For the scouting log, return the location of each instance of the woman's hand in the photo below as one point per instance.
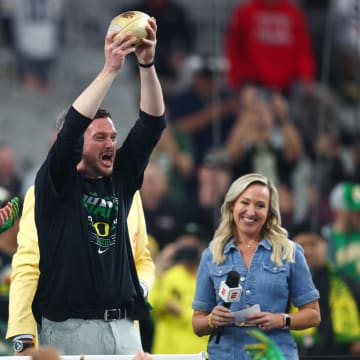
(204, 323)
(266, 320)
(221, 316)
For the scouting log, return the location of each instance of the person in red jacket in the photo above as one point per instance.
(268, 43)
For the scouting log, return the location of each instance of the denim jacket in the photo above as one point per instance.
(265, 283)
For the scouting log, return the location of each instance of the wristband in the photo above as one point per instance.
(146, 65)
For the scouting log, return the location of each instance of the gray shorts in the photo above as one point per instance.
(91, 337)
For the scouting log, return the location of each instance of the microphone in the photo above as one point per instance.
(230, 291)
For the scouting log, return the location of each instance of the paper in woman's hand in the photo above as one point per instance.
(241, 315)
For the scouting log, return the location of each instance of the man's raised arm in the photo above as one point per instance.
(151, 95)
(89, 101)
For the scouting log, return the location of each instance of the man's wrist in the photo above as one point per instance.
(20, 345)
(147, 65)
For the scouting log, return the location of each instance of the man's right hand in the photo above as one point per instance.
(117, 50)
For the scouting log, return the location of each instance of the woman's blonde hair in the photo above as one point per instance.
(282, 247)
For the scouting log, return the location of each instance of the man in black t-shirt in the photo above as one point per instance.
(88, 292)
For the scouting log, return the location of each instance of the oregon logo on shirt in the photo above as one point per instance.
(102, 219)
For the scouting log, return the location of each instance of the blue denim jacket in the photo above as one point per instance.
(267, 284)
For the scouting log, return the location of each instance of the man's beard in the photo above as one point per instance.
(96, 171)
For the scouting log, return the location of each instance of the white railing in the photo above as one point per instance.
(200, 356)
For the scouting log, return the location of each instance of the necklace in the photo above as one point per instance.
(247, 244)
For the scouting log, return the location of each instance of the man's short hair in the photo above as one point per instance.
(60, 119)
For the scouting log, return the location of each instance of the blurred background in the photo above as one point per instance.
(269, 86)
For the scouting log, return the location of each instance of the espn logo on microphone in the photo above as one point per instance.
(228, 294)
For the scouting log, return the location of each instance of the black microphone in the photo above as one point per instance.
(229, 291)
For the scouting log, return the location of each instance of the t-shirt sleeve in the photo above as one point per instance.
(302, 287)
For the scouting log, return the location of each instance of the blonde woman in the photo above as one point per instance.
(273, 271)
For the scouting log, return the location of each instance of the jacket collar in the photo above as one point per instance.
(230, 245)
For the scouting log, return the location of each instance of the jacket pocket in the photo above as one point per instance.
(275, 279)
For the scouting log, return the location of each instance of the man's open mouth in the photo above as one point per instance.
(107, 159)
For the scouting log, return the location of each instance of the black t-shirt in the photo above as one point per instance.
(86, 261)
